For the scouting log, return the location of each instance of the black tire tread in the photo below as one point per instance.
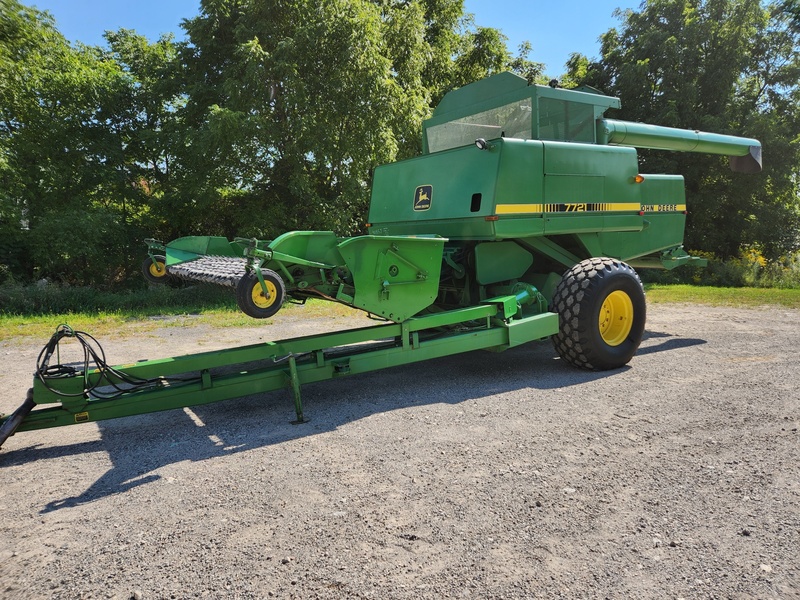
(244, 296)
(576, 296)
(147, 262)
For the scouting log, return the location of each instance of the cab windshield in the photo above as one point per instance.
(510, 120)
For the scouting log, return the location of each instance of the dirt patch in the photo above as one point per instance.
(478, 476)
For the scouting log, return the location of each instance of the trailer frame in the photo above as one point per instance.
(203, 378)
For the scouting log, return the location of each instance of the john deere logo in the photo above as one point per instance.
(423, 197)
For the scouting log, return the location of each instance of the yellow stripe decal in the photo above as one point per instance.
(622, 206)
(508, 209)
(664, 207)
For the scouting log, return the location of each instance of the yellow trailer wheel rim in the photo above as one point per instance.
(616, 318)
(259, 299)
(157, 269)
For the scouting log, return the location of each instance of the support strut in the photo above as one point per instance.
(14, 420)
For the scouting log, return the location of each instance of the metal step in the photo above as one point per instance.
(219, 270)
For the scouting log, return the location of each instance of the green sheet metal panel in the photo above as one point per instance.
(464, 100)
(192, 247)
(519, 191)
(448, 193)
(394, 277)
(590, 188)
(617, 165)
(573, 190)
(519, 173)
(500, 261)
(664, 219)
(316, 246)
(515, 226)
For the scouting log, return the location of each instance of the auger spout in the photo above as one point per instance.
(744, 153)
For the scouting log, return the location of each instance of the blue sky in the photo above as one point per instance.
(555, 29)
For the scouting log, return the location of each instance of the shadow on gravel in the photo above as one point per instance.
(671, 343)
(38, 452)
(138, 446)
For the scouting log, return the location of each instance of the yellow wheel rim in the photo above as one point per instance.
(259, 299)
(157, 269)
(616, 318)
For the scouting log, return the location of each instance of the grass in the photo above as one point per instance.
(220, 311)
(723, 296)
(124, 323)
(119, 324)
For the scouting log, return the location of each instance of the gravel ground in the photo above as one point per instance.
(486, 475)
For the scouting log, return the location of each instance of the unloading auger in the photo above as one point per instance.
(524, 218)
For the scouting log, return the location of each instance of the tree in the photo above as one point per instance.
(767, 104)
(532, 71)
(79, 140)
(57, 147)
(791, 10)
(290, 105)
(727, 66)
(482, 53)
(271, 117)
(153, 132)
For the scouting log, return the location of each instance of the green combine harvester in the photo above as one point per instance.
(524, 218)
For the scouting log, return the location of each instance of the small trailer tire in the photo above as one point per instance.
(155, 269)
(601, 307)
(251, 298)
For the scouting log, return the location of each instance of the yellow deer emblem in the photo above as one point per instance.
(422, 197)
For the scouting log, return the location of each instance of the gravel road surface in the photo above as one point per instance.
(486, 475)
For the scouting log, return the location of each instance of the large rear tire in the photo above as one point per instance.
(251, 298)
(601, 307)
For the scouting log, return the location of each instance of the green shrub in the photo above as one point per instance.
(749, 269)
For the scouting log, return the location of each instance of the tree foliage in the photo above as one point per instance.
(63, 150)
(281, 112)
(290, 105)
(727, 66)
(272, 114)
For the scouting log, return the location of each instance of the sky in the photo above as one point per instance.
(554, 29)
